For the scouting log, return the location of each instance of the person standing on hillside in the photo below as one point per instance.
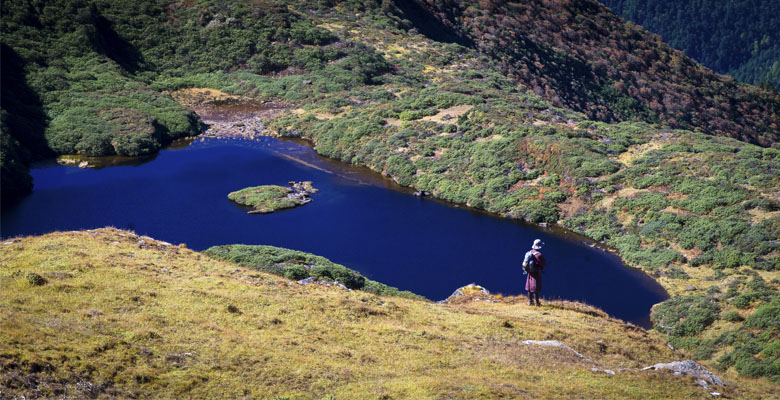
(533, 264)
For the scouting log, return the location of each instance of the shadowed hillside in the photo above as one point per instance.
(738, 38)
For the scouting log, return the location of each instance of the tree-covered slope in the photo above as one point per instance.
(579, 55)
(738, 38)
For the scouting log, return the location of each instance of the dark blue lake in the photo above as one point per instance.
(358, 219)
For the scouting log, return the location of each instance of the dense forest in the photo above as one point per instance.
(738, 38)
(555, 112)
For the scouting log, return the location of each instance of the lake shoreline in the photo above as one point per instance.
(390, 236)
(234, 118)
(487, 259)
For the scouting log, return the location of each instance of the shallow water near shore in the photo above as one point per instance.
(358, 219)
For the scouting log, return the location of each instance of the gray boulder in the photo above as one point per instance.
(692, 368)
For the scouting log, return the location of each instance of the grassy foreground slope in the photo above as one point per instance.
(106, 313)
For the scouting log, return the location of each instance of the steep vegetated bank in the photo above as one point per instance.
(109, 314)
(698, 210)
(738, 38)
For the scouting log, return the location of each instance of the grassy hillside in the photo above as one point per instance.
(738, 38)
(109, 314)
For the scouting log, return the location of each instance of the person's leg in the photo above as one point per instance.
(537, 299)
(530, 298)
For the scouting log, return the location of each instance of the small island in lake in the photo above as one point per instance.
(269, 198)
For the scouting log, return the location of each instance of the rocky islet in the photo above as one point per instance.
(269, 198)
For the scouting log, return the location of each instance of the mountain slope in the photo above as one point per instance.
(581, 56)
(109, 314)
(738, 38)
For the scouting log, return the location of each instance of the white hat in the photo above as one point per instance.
(537, 244)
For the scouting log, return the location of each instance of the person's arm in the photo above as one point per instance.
(526, 259)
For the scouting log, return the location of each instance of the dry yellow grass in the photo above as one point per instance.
(128, 316)
(333, 27)
(192, 96)
(759, 215)
(675, 210)
(322, 116)
(393, 122)
(658, 141)
(607, 202)
(450, 115)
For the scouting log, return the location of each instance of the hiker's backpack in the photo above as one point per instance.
(533, 265)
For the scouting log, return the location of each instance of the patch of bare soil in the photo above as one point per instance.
(572, 207)
(447, 115)
(228, 115)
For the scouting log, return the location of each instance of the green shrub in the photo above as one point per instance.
(265, 198)
(295, 272)
(756, 347)
(742, 301)
(732, 316)
(555, 197)
(401, 169)
(594, 168)
(685, 315)
(347, 277)
(35, 279)
(704, 351)
(541, 211)
(676, 273)
(765, 316)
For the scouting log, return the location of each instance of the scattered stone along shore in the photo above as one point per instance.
(82, 161)
(72, 161)
(269, 198)
(227, 115)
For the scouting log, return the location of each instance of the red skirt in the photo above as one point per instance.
(533, 283)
